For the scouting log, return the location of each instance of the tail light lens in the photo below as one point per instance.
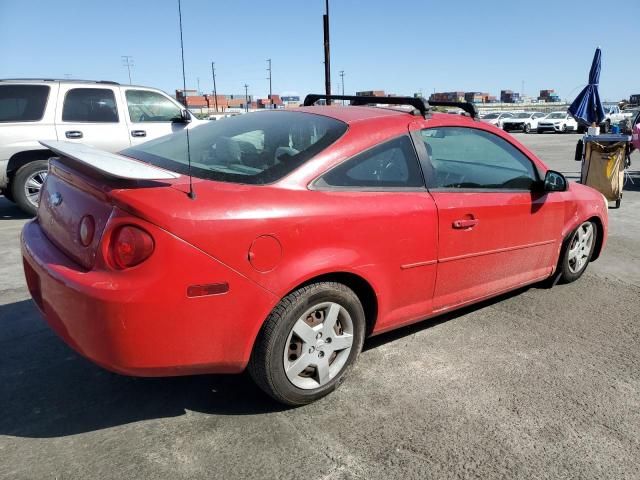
(87, 230)
(130, 246)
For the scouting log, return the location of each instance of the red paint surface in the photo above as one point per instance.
(264, 241)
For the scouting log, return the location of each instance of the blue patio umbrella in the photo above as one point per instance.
(587, 107)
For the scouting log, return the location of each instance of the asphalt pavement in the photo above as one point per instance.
(539, 383)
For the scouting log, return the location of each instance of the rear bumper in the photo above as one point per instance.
(140, 321)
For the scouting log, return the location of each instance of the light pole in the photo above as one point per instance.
(327, 62)
(342, 82)
(127, 61)
(246, 97)
(215, 93)
(269, 78)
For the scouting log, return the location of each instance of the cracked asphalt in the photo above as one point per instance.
(539, 383)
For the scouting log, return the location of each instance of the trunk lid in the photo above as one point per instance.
(80, 183)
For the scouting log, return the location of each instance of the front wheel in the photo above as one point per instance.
(527, 128)
(308, 343)
(27, 184)
(578, 252)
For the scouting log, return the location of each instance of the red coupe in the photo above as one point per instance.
(278, 241)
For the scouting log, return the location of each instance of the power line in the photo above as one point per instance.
(127, 61)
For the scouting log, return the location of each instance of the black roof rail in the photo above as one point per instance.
(418, 103)
(468, 107)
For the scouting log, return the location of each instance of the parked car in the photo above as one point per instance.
(280, 240)
(98, 113)
(559, 122)
(612, 116)
(497, 118)
(525, 121)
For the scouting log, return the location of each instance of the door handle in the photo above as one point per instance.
(466, 223)
(138, 133)
(73, 134)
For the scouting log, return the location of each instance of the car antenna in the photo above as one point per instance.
(192, 193)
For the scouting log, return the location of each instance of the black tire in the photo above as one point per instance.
(618, 202)
(564, 128)
(266, 365)
(527, 128)
(606, 127)
(568, 273)
(18, 184)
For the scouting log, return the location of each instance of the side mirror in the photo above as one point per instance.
(554, 182)
(184, 117)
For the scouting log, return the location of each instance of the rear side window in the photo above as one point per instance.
(22, 103)
(145, 106)
(90, 105)
(392, 164)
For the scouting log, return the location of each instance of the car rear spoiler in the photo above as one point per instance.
(108, 164)
(421, 106)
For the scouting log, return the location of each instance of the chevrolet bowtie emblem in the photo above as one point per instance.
(55, 199)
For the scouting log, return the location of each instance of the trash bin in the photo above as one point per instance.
(604, 160)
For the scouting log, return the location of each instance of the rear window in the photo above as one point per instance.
(22, 103)
(254, 148)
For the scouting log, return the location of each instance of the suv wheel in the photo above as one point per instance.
(27, 184)
(308, 343)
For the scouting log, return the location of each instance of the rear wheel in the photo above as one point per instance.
(27, 184)
(578, 251)
(308, 343)
(527, 128)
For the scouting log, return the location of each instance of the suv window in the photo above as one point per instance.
(145, 106)
(90, 105)
(464, 158)
(391, 164)
(22, 103)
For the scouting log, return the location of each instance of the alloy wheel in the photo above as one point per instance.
(580, 247)
(33, 186)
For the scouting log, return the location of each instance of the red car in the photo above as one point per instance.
(278, 241)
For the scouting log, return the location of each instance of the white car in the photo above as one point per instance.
(497, 118)
(559, 122)
(102, 114)
(525, 121)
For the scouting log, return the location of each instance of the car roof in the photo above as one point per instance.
(69, 80)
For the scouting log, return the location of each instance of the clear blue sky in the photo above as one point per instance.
(401, 47)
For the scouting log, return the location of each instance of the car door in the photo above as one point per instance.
(150, 114)
(496, 229)
(91, 115)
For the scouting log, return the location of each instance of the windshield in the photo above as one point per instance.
(254, 148)
(491, 116)
(523, 115)
(557, 115)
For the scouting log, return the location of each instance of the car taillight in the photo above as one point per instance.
(87, 230)
(130, 246)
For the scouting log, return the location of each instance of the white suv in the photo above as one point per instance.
(102, 114)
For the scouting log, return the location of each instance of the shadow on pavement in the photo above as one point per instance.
(10, 211)
(50, 391)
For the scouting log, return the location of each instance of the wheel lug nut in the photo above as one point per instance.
(318, 335)
(312, 349)
(327, 340)
(320, 354)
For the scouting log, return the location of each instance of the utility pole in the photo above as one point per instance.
(269, 78)
(127, 61)
(246, 97)
(342, 81)
(198, 81)
(327, 62)
(215, 93)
